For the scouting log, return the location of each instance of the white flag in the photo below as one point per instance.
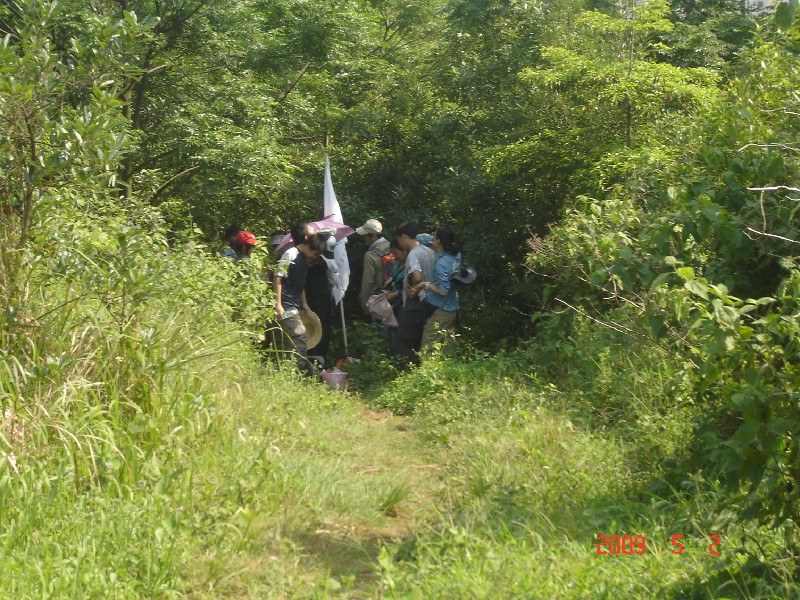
(334, 213)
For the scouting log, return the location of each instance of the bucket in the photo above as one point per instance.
(336, 380)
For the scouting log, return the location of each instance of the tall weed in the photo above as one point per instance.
(102, 394)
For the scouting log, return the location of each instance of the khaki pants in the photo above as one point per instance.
(293, 327)
(437, 326)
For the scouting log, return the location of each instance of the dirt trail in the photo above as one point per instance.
(408, 462)
(399, 472)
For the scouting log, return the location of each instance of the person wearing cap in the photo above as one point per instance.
(243, 245)
(289, 283)
(372, 277)
(441, 295)
(425, 238)
(419, 267)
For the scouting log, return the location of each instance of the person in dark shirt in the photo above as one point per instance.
(289, 283)
(318, 294)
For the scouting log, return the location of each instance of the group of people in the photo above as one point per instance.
(413, 273)
(419, 285)
(303, 280)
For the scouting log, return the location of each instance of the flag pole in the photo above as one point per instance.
(344, 328)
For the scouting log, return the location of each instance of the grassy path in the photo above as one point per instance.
(334, 483)
(381, 468)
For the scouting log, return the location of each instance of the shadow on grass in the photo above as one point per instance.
(352, 559)
(341, 554)
(499, 511)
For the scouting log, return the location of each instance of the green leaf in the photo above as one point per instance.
(723, 343)
(697, 287)
(742, 401)
(686, 273)
(670, 260)
(745, 435)
(779, 425)
(657, 326)
(754, 471)
(333, 585)
(137, 425)
(598, 277)
(659, 280)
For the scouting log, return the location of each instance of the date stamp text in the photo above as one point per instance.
(630, 544)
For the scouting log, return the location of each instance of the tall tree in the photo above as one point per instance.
(610, 67)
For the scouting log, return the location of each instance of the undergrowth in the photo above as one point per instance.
(578, 434)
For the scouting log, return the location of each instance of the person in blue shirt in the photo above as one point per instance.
(440, 294)
(230, 237)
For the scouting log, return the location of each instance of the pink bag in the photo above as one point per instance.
(379, 307)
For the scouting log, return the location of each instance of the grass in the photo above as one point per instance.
(285, 489)
(537, 467)
(316, 491)
(523, 516)
(494, 485)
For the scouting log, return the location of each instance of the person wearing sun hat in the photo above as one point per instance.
(275, 238)
(372, 277)
(289, 283)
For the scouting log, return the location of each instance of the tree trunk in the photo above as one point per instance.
(629, 123)
(294, 82)
(127, 164)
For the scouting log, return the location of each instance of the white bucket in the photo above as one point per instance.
(336, 379)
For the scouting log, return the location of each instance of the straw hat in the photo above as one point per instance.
(466, 275)
(313, 327)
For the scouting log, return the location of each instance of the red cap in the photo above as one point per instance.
(246, 237)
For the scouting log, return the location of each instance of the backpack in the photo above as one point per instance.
(388, 263)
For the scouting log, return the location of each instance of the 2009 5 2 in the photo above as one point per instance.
(628, 544)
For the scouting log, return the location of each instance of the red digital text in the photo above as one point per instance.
(637, 544)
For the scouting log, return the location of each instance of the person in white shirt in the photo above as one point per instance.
(419, 267)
